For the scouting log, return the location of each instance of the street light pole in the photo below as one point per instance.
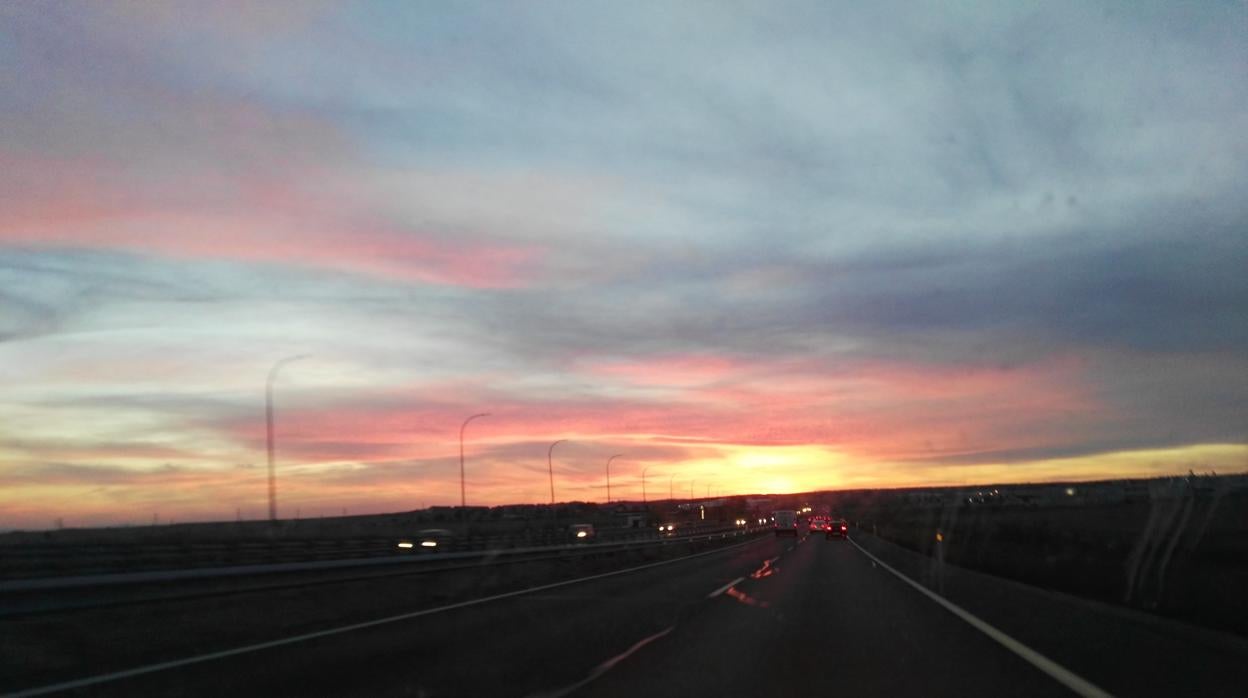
(551, 468)
(671, 485)
(643, 484)
(609, 475)
(463, 499)
(268, 420)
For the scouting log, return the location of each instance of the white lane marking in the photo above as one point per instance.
(1055, 671)
(725, 587)
(606, 666)
(103, 678)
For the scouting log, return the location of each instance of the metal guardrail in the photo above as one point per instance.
(390, 558)
(33, 560)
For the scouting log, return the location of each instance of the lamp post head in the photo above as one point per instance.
(469, 419)
(277, 365)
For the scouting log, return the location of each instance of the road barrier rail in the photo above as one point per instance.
(159, 563)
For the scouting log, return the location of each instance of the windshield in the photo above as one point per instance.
(623, 348)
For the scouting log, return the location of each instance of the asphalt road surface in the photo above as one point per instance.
(771, 617)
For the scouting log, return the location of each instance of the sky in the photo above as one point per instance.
(752, 247)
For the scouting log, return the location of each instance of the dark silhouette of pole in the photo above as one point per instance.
(268, 420)
(609, 475)
(643, 484)
(551, 468)
(671, 488)
(463, 499)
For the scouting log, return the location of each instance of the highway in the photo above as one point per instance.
(770, 616)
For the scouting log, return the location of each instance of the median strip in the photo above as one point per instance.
(150, 576)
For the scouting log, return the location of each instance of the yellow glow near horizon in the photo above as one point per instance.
(193, 493)
(763, 469)
(783, 456)
(778, 485)
(791, 469)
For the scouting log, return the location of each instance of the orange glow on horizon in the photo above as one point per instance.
(190, 493)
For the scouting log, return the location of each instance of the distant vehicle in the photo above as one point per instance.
(667, 529)
(784, 522)
(581, 532)
(815, 525)
(838, 529)
(429, 539)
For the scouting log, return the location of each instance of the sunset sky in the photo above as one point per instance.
(755, 247)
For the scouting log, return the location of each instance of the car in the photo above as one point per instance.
(838, 529)
(667, 529)
(784, 522)
(429, 540)
(581, 532)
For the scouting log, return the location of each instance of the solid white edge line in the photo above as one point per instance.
(606, 666)
(150, 668)
(725, 587)
(1055, 671)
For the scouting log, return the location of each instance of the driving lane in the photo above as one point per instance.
(824, 620)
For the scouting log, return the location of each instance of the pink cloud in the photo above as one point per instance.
(878, 411)
(75, 203)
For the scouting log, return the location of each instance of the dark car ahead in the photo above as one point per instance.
(838, 528)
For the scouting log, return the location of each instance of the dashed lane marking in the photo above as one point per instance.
(725, 587)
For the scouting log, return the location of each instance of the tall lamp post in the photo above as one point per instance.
(609, 475)
(643, 484)
(463, 499)
(268, 420)
(551, 468)
(671, 488)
